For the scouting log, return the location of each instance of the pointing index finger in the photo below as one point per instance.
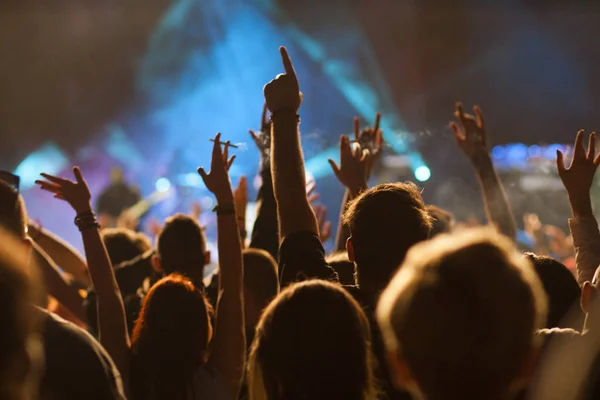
(287, 63)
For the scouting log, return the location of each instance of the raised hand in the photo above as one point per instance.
(578, 178)
(354, 165)
(217, 181)
(262, 139)
(283, 92)
(77, 193)
(470, 136)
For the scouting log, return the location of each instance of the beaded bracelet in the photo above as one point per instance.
(279, 113)
(86, 220)
(224, 209)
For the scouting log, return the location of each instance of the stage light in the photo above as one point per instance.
(422, 173)
(498, 152)
(535, 151)
(193, 179)
(162, 185)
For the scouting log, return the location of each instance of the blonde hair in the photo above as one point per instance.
(462, 312)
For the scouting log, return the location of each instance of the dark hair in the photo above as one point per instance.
(13, 216)
(20, 349)
(462, 312)
(442, 220)
(385, 222)
(312, 342)
(124, 244)
(170, 339)
(343, 266)
(260, 276)
(181, 247)
(560, 286)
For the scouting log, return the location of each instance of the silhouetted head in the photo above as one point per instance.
(21, 352)
(458, 319)
(312, 342)
(170, 339)
(261, 284)
(384, 223)
(181, 248)
(13, 215)
(442, 220)
(124, 244)
(560, 286)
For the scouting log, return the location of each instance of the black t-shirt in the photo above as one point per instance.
(301, 257)
(116, 198)
(76, 365)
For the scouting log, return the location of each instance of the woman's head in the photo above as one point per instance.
(312, 342)
(171, 335)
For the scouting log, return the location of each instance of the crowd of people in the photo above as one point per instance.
(410, 305)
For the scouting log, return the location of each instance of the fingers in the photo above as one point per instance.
(344, 145)
(243, 184)
(312, 185)
(365, 155)
(230, 162)
(217, 147)
(326, 230)
(55, 179)
(377, 121)
(591, 146)
(78, 175)
(254, 135)
(203, 174)
(48, 186)
(457, 132)
(226, 151)
(579, 151)
(356, 128)
(335, 168)
(560, 162)
(479, 114)
(287, 63)
(313, 197)
(460, 114)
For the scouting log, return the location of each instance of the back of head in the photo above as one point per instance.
(261, 280)
(124, 244)
(442, 220)
(13, 216)
(20, 349)
(181, 247)
(385, 222)
(312, 342)
(461, 313)
(170, 338)
(343, 266)
(561, 288)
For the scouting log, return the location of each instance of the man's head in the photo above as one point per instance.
(384, 223)
(561, 288)
(261, 284)
(459, 317)
(124, 244)
(181, 248)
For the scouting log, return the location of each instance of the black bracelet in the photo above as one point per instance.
(224, 209)
(279, 113)
(86, 220)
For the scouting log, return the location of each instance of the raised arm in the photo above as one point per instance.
(577, 180)
(472, 139)
(61, 252)
(229, 341)
(111, 313)
(265, 233)
(355, 167)
(287, 163)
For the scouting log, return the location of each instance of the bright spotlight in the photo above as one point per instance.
(162, 185)
(422, 173)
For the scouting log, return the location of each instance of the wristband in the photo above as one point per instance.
(86, 220)
(224, 209)
(279, 113)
